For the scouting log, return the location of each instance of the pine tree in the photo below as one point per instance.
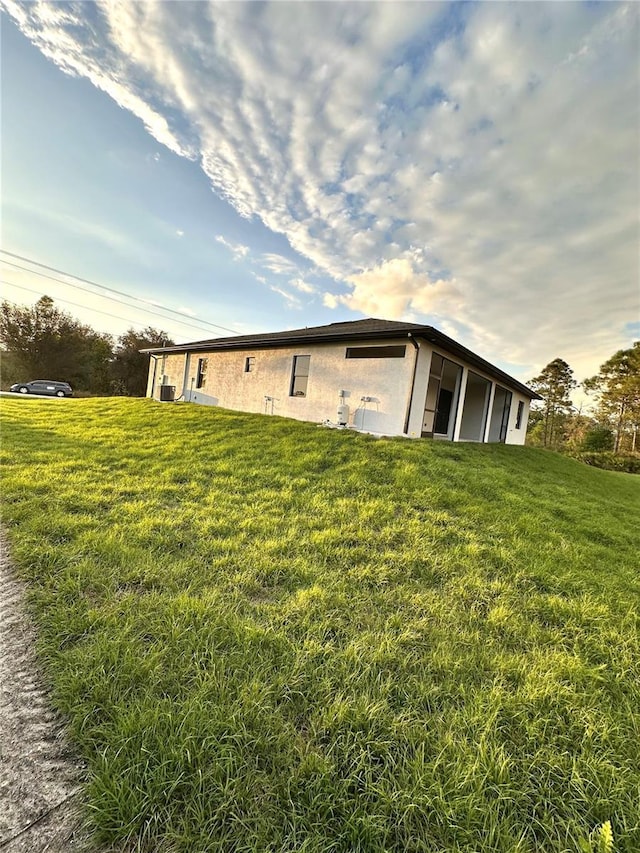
(617, 388)
(554, 385)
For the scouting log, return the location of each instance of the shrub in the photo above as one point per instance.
(630, 462)
(597, 440)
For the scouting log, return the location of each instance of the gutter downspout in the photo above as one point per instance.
(416, 344)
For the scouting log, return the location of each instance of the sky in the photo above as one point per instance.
(271, 165)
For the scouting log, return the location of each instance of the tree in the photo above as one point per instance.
(130, 367)
(554, 385)
(617, 389)
(41, 342)
(597, 440)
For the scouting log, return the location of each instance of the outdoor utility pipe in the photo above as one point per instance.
(185, 375)
(155, 367)
(413, 382)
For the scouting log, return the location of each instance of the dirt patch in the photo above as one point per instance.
(40, 777)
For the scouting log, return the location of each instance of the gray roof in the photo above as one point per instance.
(353, 330)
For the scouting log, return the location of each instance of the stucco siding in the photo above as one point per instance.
(169, 371)
(266, 387)
(385, 381)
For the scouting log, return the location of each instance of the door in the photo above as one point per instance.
(500, 415)
(505, 417)
(441, 402)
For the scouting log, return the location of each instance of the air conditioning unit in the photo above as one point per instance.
(167, 393)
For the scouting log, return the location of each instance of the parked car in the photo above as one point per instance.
(43, 386)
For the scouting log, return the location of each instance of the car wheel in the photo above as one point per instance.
(59, 393)
(23, 389)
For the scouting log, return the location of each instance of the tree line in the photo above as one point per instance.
(42, 342)
(615, 390)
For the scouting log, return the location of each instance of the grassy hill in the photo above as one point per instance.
(269, 636)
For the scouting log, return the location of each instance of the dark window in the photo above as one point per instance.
(249, 362)
(376, 352)
(300, 375)
(201, 376)
(519, 415)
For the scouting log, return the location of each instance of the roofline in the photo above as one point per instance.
(427, 333)
(446, 343)
(268, 341)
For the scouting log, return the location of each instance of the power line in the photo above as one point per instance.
(102, 287)
(99, 295)
(77, 305)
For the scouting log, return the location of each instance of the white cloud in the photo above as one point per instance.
(238, 250)
(395, 289)
(474, 162)
(290, 299)
(302, 285)
(278, 264)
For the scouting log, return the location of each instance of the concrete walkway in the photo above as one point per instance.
(40, 778)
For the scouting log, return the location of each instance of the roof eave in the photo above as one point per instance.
(428, 333)
(271, 343)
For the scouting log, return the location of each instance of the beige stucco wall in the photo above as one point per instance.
(386, 380)
(169, 367)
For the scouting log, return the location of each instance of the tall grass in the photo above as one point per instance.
(268, 636)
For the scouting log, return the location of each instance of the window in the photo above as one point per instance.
(249, 363)
(519, 415)
(201, 376)
(376, 352)
(300, 375)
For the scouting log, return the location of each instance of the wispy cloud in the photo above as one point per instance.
(278, 264)
(290, 299)
(238, 250)
(302, 285)
(473, 161)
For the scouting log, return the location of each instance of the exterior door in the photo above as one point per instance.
(505, 416)
(499, 423)
(442, 395)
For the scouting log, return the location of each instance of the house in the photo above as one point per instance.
(379, 376)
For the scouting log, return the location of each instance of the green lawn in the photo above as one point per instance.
(269, 636)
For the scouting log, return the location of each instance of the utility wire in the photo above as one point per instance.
(102, 287)
(99, 295)
(77, 305)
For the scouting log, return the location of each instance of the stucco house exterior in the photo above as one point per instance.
(379, 376)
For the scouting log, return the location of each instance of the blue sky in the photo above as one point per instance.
(276, 165)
